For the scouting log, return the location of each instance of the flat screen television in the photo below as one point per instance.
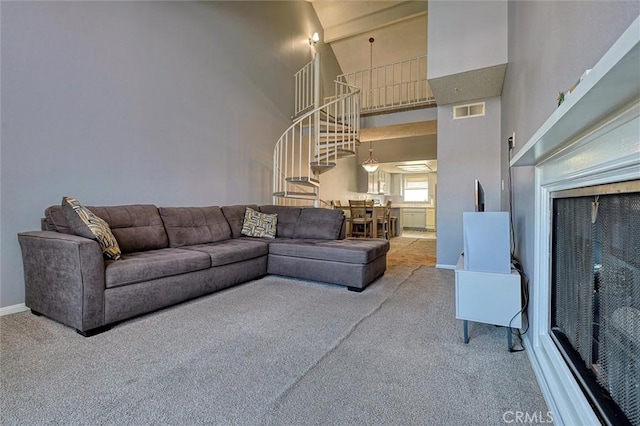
(479, 196)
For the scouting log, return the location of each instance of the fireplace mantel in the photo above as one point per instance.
(593, 138)
(611, 84)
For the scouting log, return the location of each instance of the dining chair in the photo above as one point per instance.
(337, 204)
(384, 222)
(361, 222)
(393, 223)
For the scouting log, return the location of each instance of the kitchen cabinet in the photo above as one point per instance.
(431, 219)
(413, 217)
(377, 182)
(394, 186)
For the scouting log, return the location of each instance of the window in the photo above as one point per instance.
(416, 188)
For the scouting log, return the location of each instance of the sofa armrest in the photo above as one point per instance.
(64, 278)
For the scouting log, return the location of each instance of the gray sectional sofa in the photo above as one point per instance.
(172, 254)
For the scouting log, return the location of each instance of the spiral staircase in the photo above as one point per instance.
(319, 136)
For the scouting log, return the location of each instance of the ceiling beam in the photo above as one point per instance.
(399, 131)
(391, 15)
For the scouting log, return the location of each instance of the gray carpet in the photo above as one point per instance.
(271, 352)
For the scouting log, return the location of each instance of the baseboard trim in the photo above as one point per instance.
(442, 266)
(13, 309)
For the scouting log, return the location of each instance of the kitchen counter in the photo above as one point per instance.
(414, 205)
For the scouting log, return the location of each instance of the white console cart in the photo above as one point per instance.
(488, 297)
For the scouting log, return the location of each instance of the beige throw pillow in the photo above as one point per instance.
(86, 224)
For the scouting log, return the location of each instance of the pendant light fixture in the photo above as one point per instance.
(370, 164)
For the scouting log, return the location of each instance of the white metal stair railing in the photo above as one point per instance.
(398, 85)
(307, 86)
(313, 144)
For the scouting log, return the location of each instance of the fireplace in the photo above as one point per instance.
(582, 309)
(595, 295)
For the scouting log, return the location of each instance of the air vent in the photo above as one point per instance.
(468, 111)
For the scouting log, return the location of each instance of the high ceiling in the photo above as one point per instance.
(400, 32)
(398, 27)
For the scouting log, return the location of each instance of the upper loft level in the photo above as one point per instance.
(380, 48)
(397, 86)
(394, 87)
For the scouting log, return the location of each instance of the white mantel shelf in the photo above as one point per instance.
(613, 83)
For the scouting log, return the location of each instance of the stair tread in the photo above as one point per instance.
(334, 123)
(321, 166)
(334, 150)
(303, 180)
(340, 152)
(295, 194)
(330, 125)
(328, 143)
(325, 134)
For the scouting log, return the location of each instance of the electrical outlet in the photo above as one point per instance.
(512, 140)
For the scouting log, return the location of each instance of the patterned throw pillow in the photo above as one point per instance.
(258, 224)
(86, 224)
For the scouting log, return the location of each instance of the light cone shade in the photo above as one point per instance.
(370, 164)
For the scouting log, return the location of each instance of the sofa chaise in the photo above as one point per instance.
(172, 254)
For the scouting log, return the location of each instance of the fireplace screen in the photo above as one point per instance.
(596, 297)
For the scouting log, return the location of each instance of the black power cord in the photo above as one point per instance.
(524, 288)
(515, 262)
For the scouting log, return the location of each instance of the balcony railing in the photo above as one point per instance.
(394, 86)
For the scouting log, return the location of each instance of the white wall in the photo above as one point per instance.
(171, 103)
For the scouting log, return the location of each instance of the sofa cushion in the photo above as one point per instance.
(316, 223)
(137, 227)
(235, 217)
(85, 223)
(152, 264)
(287, 219)
(194, 225)
(258, 224)
(356, 250)
(232, 251)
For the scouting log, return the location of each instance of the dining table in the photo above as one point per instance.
(375, 212)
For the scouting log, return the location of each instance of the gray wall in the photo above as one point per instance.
(468, 149)
(466, 35)
(171, 103)
(340, 183)
(550, 45)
